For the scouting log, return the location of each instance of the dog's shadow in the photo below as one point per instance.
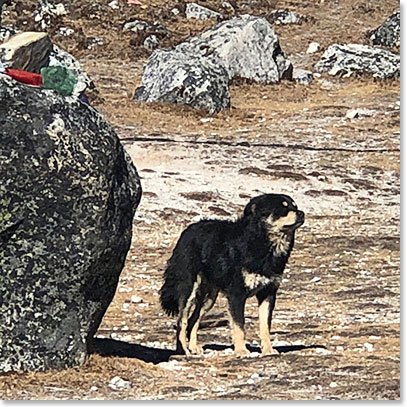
(113, 347)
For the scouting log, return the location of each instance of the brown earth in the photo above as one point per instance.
(337, 319)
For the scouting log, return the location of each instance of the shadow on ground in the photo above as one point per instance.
(112, 347)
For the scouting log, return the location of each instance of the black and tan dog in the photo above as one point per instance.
(242, 258)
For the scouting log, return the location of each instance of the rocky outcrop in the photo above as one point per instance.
(355, 59)
(67, 199)
(245, 47)
(175, 77)
(388, 34)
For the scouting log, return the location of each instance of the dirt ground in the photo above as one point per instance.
(336, 324)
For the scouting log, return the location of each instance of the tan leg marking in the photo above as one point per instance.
(193, 341)
(264, 309)
(239, 341)
(184, 315)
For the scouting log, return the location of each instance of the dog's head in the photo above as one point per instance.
(279, 212)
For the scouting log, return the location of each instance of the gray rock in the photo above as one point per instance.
(144, 26)
(356, 59)
(28, 51)
(197, 72)
(6, 33)
(151, 42)
(302, 76)
(284, 17)
(388, 34)
(176, 77)
(247, 46)
(68, 194)
(193, 10)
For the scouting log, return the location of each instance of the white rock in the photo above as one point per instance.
(333, 384)
(114, 4)
(117, 383)
(315, 280)
(368, 346)
(136, 299)
(313, 47)
(358, 113)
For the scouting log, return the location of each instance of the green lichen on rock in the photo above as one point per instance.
(68, 194)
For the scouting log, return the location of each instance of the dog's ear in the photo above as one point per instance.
(250, 209)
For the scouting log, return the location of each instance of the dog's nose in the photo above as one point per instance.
(300, 215)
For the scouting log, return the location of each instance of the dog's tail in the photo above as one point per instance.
(180, 274)
(169, 294)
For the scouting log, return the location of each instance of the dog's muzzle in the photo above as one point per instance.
(300, 219)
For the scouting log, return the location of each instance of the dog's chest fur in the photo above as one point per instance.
(255, 282)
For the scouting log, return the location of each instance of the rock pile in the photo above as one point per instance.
(357, 59)
(67, 200)
(197, 71)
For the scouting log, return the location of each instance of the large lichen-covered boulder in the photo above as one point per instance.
(388, 34)
(356, 59)
(68, 194)
(197, 72)
(176, 77)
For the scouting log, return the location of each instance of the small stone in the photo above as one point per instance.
(302, 76)
(313, 47)
(136, 299)
(114, 4)
(201, 13)
(151, 42)
(358, 113)
(315, 280)
(368, 346)
(117, 383)
(250, 381)
(333, 385)
(286, 17)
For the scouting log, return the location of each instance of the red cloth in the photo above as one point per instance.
(25, 77)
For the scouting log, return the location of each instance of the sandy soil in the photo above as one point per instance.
(337, 319)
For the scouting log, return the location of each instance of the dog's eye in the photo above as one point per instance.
(285, 203)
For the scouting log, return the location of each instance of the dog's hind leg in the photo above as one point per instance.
(184, 315)
(266, 307)
(193, 324)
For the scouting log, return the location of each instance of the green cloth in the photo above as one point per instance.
(58, 78)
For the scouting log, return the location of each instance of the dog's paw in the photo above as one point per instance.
(242, 352)
(269, 351)
(195, 349)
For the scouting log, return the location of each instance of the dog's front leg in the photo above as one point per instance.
(236, 308)
(266, 307)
